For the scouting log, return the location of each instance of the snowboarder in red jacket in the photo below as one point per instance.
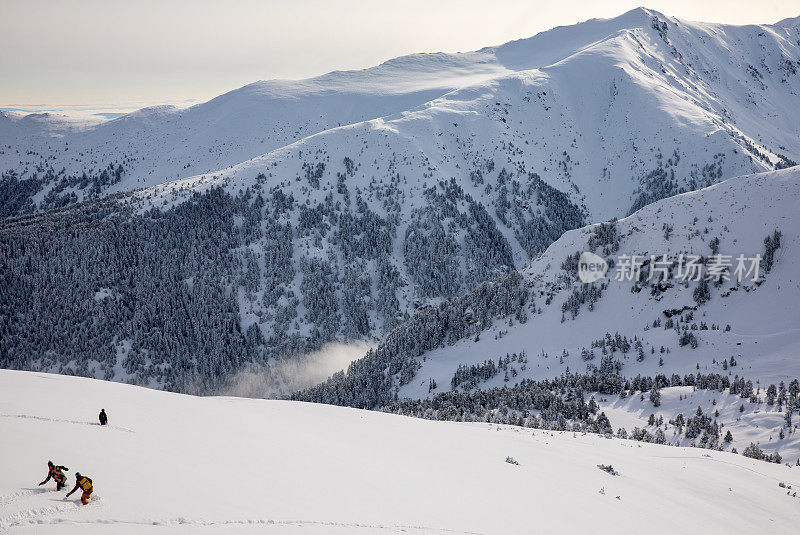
(56, 473)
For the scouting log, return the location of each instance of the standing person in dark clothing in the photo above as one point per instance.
(103, 417)
(55, 472)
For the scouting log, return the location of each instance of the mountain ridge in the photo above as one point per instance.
(420, 77)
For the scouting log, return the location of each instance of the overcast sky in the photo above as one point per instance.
(127, 54)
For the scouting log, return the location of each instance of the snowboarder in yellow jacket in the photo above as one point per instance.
(85, 484)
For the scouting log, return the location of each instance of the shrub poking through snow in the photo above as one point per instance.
(608, 468)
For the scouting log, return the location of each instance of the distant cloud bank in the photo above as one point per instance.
(96, 112)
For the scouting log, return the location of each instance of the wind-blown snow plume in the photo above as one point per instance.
(291, 375)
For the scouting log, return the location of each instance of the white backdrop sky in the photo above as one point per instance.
(125, 54)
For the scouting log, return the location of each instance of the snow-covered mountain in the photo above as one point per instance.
(552, 322)
(598, 109)
(170, 463)
(730, 218)
(164, 143)
(333, 208)
(706, 357)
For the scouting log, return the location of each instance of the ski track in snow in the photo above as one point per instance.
(77, 422)
(40, 515)
(180, 521)
(48, 515)
(708, 458)
(6, 499)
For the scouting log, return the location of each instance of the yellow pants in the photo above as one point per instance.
(86, 496)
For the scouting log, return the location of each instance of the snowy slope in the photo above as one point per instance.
(756, 423)
(169, 463)
(764, 335)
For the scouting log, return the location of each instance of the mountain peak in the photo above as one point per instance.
(790, 22)
(639, 13)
